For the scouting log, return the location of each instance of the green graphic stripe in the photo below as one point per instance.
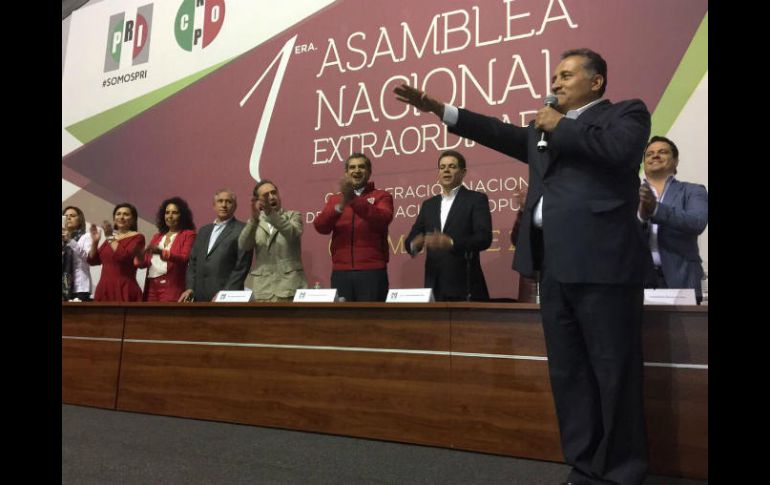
(688, 75)
(97, 125)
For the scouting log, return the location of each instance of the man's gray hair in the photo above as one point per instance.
(228, 190)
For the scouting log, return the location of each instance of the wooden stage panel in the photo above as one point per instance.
(504, 406)
(461, 375)
(497, 331)
(91, 345)
(90, 372)
(677, 421)
(399, 397)
(678, 337)
(355, 326)
(92, 321)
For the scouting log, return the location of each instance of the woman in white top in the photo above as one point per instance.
(75, 245)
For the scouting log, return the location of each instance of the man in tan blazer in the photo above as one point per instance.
(275, 236)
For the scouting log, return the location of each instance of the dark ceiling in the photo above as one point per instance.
(67, 6)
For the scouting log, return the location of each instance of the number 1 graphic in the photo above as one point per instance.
(267, 112)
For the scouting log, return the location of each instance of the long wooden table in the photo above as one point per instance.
(470, 376)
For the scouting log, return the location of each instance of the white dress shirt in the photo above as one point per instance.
(654, 227)
(446, 204)
(218, 228)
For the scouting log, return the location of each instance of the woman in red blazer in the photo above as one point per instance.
(167, 254)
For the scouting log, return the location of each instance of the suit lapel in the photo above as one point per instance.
(457, 205)
(205, 236)
(269, 237)
(673, 192)
(435, 215)
(586, 117)
(228, 228)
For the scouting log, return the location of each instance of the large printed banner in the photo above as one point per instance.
(184, 97)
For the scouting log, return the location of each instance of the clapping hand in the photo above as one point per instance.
(346, 188)
(95, 235)
(438, 241)
(647, 202)
(107, 227)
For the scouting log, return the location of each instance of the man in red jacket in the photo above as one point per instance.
(358, 218)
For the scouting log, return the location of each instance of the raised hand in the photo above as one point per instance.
(107, 227)
(419, 99)
(647, 202)
(257, 206)
(346, 187)
(95, 236)
(266, 207)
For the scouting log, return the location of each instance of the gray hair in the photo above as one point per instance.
(229, 191)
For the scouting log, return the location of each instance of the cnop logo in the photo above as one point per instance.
(210, 18)
(121, 31)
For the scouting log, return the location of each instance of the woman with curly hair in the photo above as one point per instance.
(168, 252)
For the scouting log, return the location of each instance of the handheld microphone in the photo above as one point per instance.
(553, 102)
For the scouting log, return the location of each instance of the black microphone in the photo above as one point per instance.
(553, 102)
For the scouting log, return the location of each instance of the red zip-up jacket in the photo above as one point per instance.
(360, 232)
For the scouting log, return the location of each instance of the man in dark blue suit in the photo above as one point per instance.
(453, 227)
(674, 214)
(579, 229)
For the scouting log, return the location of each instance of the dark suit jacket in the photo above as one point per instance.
(224, 268)
(469, 224)
(681, 217)
(589, 178)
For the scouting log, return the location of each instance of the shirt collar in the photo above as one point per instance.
(669, 179)
(217, 224)
(574, 113)
(452, 193)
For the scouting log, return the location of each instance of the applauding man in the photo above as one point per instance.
(453, 227)
(358, 218)
(275, 236)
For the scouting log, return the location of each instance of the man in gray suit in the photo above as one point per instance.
(216, 263)
(673, 214)
(275, 235)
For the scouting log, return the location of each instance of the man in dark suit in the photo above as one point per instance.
(580, 231)
(216, 263)
(674, 214)
(453, 227)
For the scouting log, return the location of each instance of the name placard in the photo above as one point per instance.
(410, 295)
(315, 295)
(669, 296)
(233, 296)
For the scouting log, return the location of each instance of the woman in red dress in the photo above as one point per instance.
(168, 251)
(116, 255)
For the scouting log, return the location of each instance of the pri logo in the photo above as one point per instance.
(122, 31)
(198, 21)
